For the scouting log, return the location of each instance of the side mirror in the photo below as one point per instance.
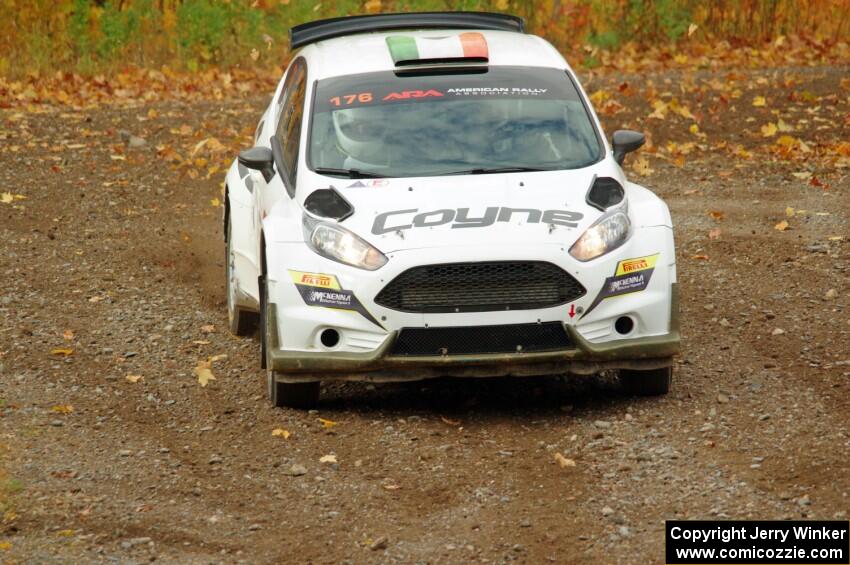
(258, 159)
(625, 141)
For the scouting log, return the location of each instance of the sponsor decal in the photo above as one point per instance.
(496, 91)
(324, 291)
(408, 94)
(399, 220)
(631, 275)
(373, 183)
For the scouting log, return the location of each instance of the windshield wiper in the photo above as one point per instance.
(349, 173)
(496, 170)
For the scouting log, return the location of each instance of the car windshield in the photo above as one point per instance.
(500, 119)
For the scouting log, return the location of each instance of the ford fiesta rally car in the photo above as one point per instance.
(431, 195)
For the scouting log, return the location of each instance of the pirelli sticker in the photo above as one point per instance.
(631, 275)
(324, 291)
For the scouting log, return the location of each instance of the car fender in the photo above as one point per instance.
(239, 205)
(646, 208)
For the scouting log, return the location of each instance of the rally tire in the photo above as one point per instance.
(240, 321)
(654, 382)
(292, 395)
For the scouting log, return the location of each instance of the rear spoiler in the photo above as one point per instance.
(311, 32)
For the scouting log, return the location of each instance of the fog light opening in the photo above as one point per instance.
(624, 325)
(329, 337)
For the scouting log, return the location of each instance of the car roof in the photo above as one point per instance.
(368, 52)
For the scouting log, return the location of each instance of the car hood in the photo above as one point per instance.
(489, 209)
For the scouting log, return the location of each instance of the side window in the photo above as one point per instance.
(288, 130)
(259, 131)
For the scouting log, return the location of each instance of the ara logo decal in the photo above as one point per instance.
(407, 219)
(631, 275)
(325, 291)
(408, 94)
(373, 183)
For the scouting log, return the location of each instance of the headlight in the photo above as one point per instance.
(337, 243)
(608, 233)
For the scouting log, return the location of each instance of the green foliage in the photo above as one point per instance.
(99, 35)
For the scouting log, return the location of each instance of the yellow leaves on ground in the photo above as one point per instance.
(717, 215)
(8, 197)
(327, 423)
(134, 378)
(63, 351)
(62, 409)
(203, 370)
(327, 459)
(564, 462)
(280, 432)
(759, 101)
(692, 29)
(769, 130)
(641, 167)
(782, 226)
(789, 211)
(215, 203)
(5, 546)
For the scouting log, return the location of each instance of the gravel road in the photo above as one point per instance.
(112, 293)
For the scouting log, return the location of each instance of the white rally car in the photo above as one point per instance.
(432, 195)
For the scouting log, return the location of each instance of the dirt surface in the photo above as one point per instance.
(116, 257)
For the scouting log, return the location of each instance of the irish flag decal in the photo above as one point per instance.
(405, 49)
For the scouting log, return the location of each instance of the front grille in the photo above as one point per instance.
(513, 338)
(480, 287)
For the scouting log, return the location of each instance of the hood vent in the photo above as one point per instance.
(328, 203)
(604, 193)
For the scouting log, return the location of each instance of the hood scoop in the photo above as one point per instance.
(604, 193)
(328, 203)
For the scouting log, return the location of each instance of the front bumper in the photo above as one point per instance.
(380, 365)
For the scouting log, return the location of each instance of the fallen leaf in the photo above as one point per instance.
(789, 211)
(563, 461)
(694, 129)
(64, 351)
(714, 234)
(202, 370)
(65, 533)
(280, 432)
(769, 130)
(836, 238)
(94, 299)
(63, 409)
(7, 198)
(255, 54)
(5, 546)
(691, 29)
(759, 101)
(803, 175)
(208, 329)
(133, 378)
(68, 335)
(449, 421)
(215, 202)
(781, 226)
(327, 423)
(699, 257)
(392, 487)
(641, 167)
(718, 215)
(783, 127)
(218, 357)
(327, 459)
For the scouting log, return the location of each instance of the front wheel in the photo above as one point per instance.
(281, 395)
(653, 382)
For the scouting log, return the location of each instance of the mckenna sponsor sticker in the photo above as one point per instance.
(324, 291)
(631, 275)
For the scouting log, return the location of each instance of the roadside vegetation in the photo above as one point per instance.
(108, 36)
